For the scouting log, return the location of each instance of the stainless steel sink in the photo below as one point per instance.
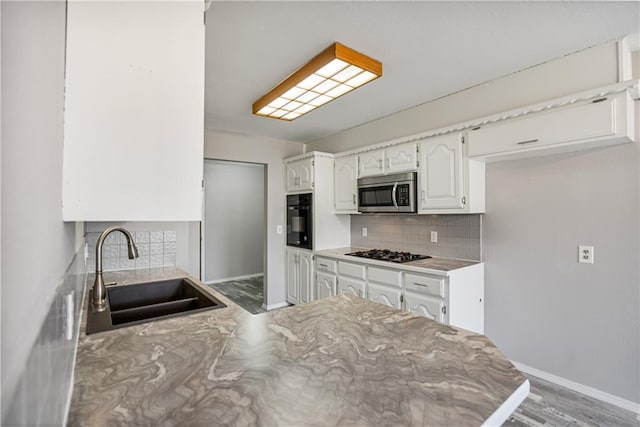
(143, 302)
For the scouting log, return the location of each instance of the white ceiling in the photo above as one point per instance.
(428, 49)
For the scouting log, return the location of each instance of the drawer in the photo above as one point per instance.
(326, 264)
(424, 284)
(350, 269)
(384, 276)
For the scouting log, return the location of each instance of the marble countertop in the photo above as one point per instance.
(434, 265)
(338, 361)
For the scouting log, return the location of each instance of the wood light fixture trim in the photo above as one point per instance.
(341, 69)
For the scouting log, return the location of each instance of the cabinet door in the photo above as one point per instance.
(346, 183)
(351, 286)
(133, 111)
(441, 179)
(305, 174)
(384, 294)
(425, 306)
(292, 176)
(305, 271)
(371, 163)
(401, 158)
(292, 276)
(325, 285)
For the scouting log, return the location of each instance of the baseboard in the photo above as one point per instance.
(228, 279)
(274, 306)
(580, 388)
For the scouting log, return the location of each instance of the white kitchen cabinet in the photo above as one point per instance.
(599, 122)
(394, 159)
(348, 285)
(441, 180)
(448, 182)
(346, 184)
(388, 295)
(425, 306)
(401, 158)
(325, 285)
(299, 175)
(299, 276)
(133, 113)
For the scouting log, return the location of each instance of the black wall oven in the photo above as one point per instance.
(299, 221)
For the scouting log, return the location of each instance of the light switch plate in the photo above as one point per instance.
(364, 231)
(585, 254)
(278, 229)
(434, 237)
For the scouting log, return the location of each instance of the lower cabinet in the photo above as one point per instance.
(325, 285)
(425, 306)
(299, 276)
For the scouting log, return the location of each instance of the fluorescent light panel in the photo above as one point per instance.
(335, 71)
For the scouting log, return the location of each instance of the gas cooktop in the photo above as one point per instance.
(388, 255)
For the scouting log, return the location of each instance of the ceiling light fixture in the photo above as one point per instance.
(332, 73)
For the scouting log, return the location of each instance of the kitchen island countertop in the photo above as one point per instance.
(338, 361)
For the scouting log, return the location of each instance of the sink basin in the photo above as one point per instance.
(143, 302)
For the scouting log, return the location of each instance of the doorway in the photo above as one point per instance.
(233, 231)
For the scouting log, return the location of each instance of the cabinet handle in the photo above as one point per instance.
(379, 164)
(423, 195)
(530, 141)
(354, 199)
(360, 293)
(388, 163)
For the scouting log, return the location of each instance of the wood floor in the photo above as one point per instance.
(547, 405)
(552, 405)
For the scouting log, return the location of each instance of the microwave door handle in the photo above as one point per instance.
(393, 194)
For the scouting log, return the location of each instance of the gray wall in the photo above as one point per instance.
(234, 219)
(545, 310)
(37, 247)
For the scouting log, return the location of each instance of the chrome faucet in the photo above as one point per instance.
(99, 297)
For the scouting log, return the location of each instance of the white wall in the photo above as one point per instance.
(543, 309)
(37, 246)
(247, 148)
(233, 219)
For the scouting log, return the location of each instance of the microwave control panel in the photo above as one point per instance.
(403, 195)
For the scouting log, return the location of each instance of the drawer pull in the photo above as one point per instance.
(324, 265)
(530, 141)
(421, 284)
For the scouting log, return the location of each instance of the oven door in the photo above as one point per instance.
(299, 226)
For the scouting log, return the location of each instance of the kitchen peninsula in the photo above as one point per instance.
(337, 361)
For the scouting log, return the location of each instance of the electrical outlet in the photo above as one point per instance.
(585, 254)
(364, 231)
(278, 229)
(434, 237)
(86, 252)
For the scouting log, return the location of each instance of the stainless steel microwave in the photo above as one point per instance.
(388, 193)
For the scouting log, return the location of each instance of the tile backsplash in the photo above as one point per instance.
(45, 384)
(157, 248)
(459, 236)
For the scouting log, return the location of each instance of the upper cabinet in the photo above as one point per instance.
(346, 184)
(300, 175)
(441, 181)
(134, 111)
(393, 159)
(448, 182)
(599, 122)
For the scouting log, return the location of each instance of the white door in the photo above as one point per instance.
(325, 285)
(346, 183)
(441, 172)
(305, 267)
(371, 163)
(425, 306)
(384, 294)
(401, 158)
(351, 286)
(305, 174)
(292, 276)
